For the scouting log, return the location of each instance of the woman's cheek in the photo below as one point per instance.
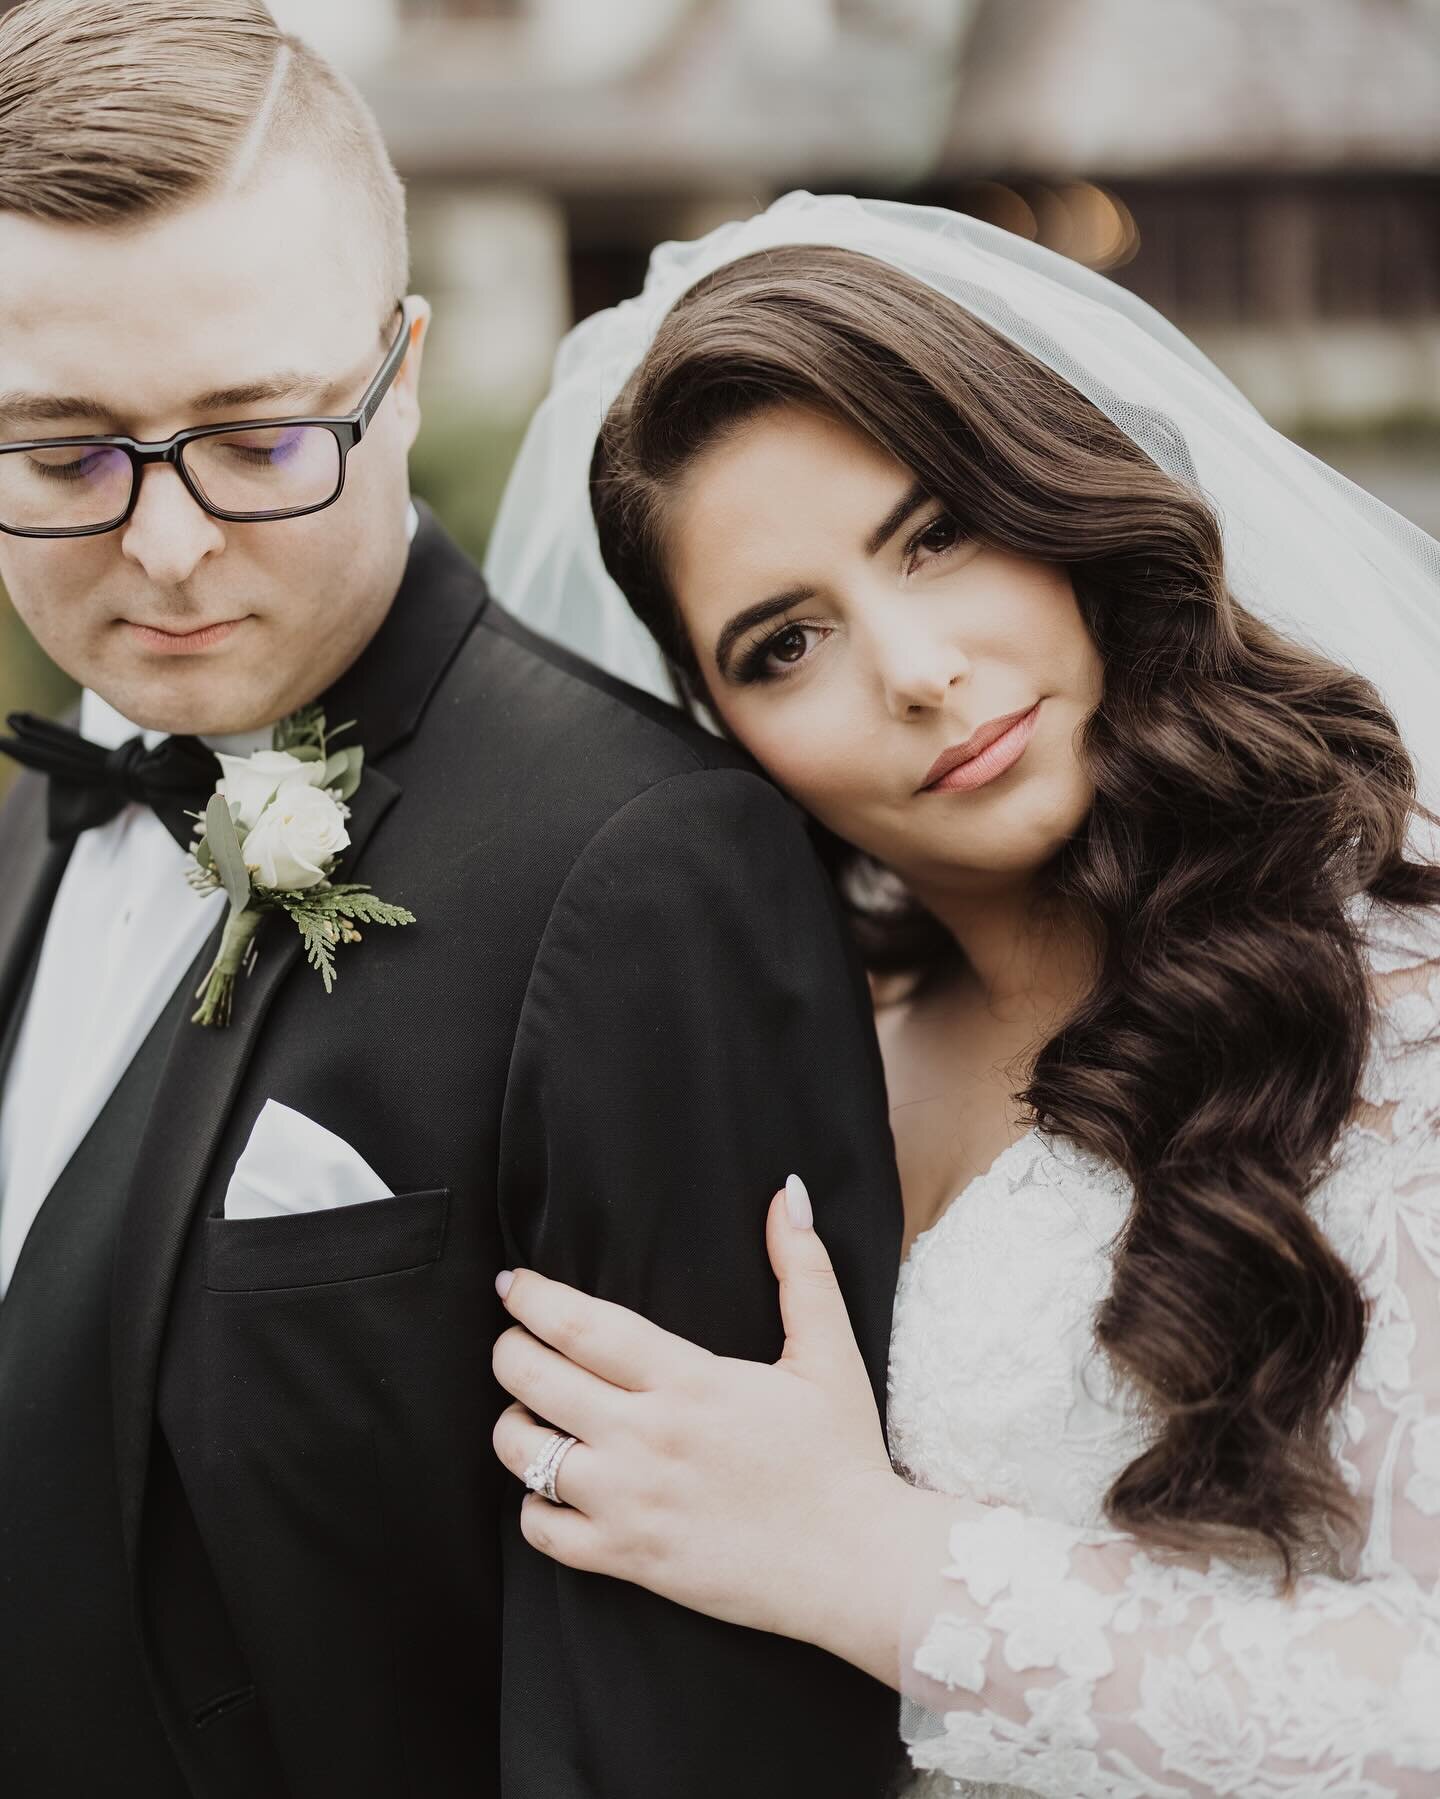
(797, 738)
(801, 767)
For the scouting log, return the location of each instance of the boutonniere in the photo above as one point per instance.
(272, 835)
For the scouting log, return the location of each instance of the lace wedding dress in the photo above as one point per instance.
(1056, 1657)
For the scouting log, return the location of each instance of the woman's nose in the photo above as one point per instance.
(917, 670)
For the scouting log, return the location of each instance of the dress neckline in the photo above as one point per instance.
(987, 1173)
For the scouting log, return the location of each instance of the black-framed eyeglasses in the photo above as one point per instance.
(244, 471)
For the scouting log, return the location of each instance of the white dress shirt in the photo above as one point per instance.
(125, 926)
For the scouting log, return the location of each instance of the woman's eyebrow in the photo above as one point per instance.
(754, 615)
(909, 503)
(895, 517)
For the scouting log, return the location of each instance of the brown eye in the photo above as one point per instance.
(786, 648)
(940, 535)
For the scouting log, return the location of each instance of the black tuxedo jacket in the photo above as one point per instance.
(628, 1010)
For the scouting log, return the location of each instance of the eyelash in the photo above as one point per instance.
(752, 665)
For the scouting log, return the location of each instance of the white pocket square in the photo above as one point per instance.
(292, 1164)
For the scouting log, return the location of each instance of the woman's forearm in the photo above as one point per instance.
(852, 1600)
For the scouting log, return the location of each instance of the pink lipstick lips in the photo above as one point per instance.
(985, 754)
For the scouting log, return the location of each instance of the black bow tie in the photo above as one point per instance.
(89, 784)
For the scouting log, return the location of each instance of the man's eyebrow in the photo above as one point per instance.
(61, 409)
(754, 615)
(289, 384)
(49, 409)
(895, 517)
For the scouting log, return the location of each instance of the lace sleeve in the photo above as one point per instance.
(1073, 1663)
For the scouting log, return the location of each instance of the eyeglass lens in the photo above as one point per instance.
(255, 472)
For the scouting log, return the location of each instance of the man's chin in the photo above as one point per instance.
(206, 708)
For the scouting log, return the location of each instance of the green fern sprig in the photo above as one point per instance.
(320, 939)
(349, 900)
(327, 917)
(304, 734)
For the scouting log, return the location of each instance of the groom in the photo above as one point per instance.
(253, 1538)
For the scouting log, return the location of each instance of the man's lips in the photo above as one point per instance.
(202, 637)
(973, 745)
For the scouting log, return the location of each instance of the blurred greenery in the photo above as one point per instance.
(458, 467)
(29, 681)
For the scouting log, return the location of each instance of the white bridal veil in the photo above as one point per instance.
(1305, 548)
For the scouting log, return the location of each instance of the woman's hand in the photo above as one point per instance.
(759, 1494)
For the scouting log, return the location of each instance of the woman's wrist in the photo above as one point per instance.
(888, 1544)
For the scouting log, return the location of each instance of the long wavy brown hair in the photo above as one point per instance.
(1245, 789)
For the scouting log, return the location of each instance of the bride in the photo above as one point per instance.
(1058, 644)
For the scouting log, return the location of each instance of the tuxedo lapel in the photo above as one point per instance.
(389, 687)
(30, 871)
(385, 692)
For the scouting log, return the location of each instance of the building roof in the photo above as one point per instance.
(1127, 87)
(710, 98)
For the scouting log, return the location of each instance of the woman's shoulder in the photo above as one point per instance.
(1402, 948)
(1378, 1198)
(1397, 940)
(1397, 1116)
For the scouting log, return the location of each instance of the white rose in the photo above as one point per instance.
(295, 837)
(251, 782)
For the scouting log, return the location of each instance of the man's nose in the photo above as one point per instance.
(169, 534)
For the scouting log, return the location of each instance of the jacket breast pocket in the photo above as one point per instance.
(315, 1249)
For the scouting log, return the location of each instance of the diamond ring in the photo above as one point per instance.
(541, 1475)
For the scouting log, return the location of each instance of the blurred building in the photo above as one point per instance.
(1265, 171)
(1275, 165)
(549, 144)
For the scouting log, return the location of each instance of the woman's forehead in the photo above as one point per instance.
(791, 466)
(786, 501)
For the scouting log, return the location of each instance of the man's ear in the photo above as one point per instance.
(407, 382)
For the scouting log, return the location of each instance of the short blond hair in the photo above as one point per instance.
(112, 111)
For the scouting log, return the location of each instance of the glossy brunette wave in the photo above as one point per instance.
(1244, 790)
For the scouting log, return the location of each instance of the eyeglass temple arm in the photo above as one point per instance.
(394, 362)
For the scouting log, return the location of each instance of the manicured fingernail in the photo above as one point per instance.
(504, 1281)
(797, 1204)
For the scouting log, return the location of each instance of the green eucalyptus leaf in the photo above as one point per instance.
(306, 752)
(224, 844)
(202, 853)
(350, 780)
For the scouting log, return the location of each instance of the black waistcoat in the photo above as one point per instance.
(76, 1715)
